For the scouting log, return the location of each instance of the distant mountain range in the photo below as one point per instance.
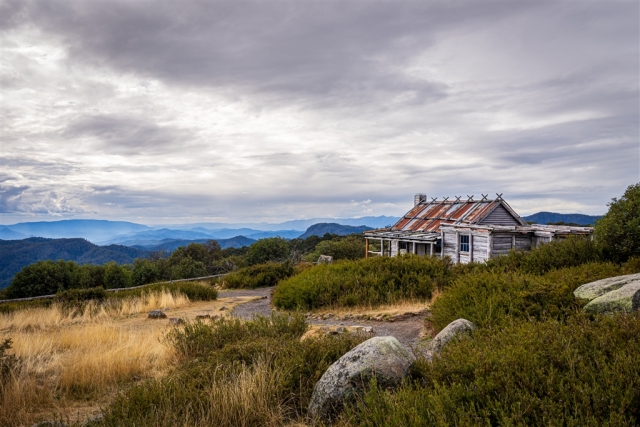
(90, 229)
(104, 232)
(547, 217)
(170, 245)
(15, 254)
(333, 228)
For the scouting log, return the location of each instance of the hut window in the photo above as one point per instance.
(464, 243)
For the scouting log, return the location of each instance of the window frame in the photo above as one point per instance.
(462, 243)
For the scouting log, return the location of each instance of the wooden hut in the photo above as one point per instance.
(465, 230)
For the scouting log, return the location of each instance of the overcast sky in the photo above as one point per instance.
(189, 111)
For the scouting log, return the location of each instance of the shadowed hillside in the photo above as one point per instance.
(15, 254)
(333, 228)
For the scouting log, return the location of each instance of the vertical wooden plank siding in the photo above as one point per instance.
(457, 247)
(366, 248)
(490, 245)
(470, 247)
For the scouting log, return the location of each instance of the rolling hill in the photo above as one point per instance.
(333, 228)
(90, 229)
(547, 217)
(15, 254)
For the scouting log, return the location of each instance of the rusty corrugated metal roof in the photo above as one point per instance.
(429, 216)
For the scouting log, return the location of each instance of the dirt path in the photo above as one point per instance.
(406, 331)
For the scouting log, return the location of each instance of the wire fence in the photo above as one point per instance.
(118, 289)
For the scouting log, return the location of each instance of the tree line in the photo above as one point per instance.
(194, 260)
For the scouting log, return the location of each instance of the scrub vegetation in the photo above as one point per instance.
(534, 358)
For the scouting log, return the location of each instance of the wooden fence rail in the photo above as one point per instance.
(117, 289)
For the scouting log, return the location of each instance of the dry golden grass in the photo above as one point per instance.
(367, 310)
(247, 398)
(78, 356)
(57, 316)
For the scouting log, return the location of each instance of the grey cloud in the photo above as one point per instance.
(310, 49)
(126, 135)
(10, 198)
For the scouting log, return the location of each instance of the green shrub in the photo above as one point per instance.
(195, 291)
(619, 229)
(116, 276)
(257, 276)
(349, 247)
(272, 249)
(371, 281)
(578, 373)
(80, 295)
(42, 278)
(632, 266)
(205, 388)
(557, 254)
(491, 298)
(144, 271)
(11, 307)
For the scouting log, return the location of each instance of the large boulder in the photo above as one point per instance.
(598, 288)
(624, 299)
(452, 330)
(384, 358)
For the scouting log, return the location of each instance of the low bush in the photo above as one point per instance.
(257, 276)
(195, 291)
(9, 364)
(76, 295)
(372, 281)
(11, 307)
(349, 247)
(552, 373)
(491, 298)
(253, 373)
(558, 254)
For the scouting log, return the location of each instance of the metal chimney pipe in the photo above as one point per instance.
(419, 198)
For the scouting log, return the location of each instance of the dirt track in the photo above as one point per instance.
(406, 331)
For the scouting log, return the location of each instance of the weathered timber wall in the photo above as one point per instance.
(500, 216)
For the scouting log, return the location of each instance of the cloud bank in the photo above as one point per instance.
(159, 111)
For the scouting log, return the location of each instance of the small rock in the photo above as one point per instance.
(329, 333)
(367, 330)
(307, 315)
(223, 308)
(203, 316)
(384, 358)
(325, 259)
(341, 330)
(175, 321)
(157, 314)
(452, 330)
(94, 419)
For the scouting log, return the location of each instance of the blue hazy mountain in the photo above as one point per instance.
(170, 245)
(15, 254)
(9, 234)
(298, 224)
(333, 228)
(149, 237)
(547, 217)
(90, 229)
(286, 234)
